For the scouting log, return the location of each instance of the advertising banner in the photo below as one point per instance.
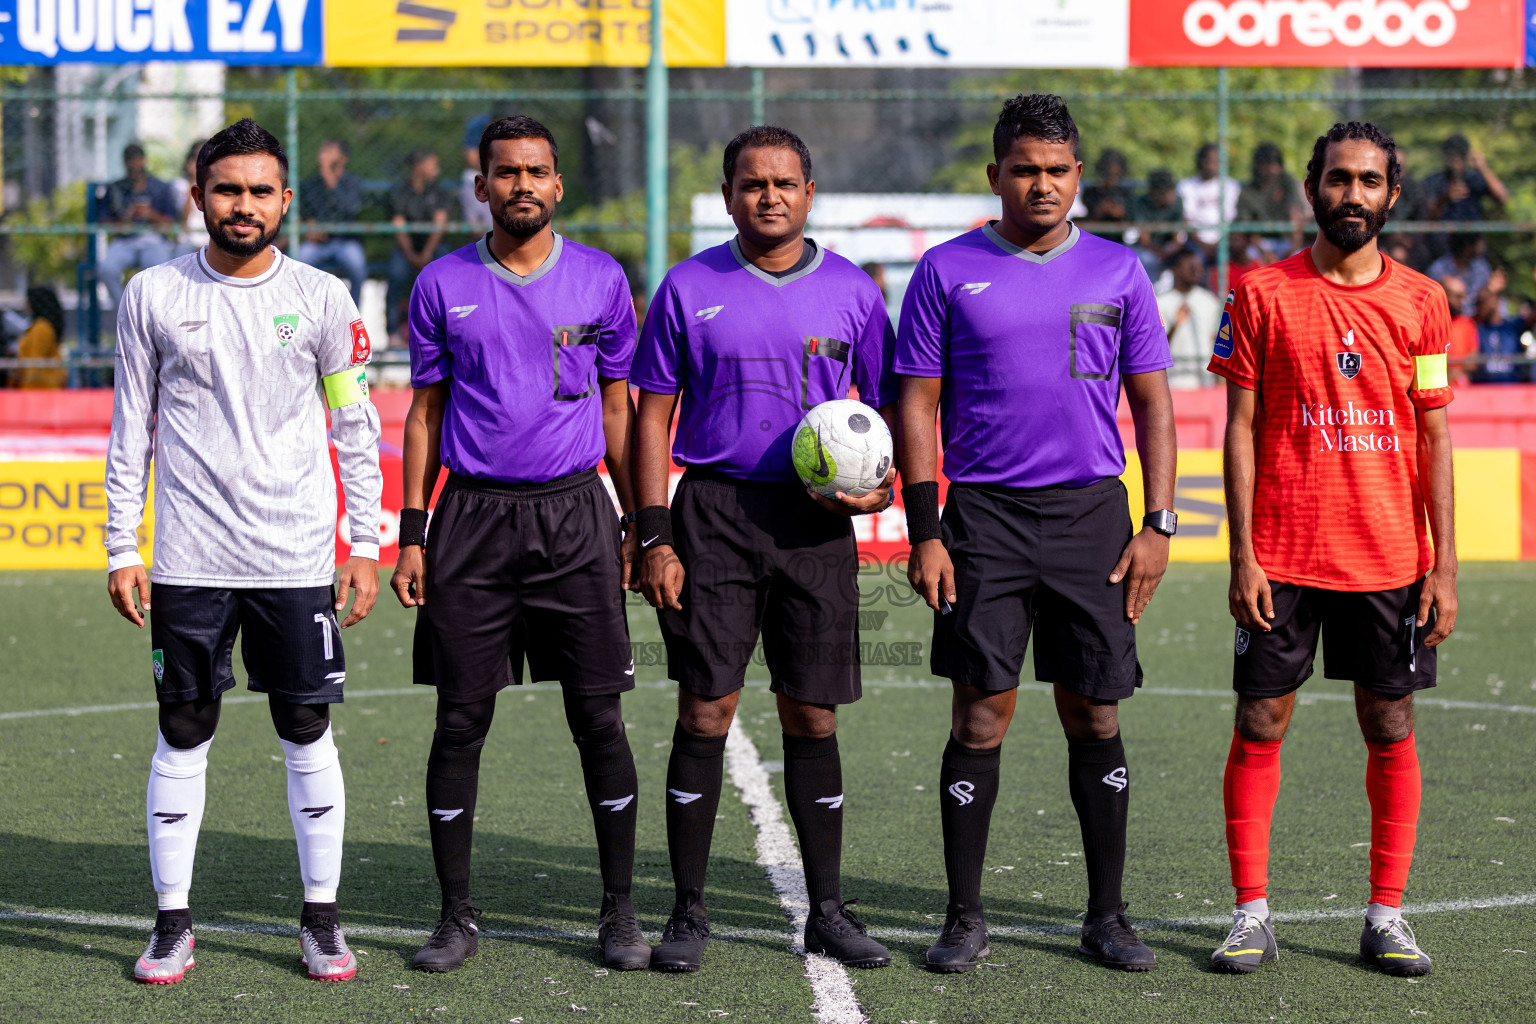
(1328, 33)
(926, 33)
(521, 33)
(282, 32)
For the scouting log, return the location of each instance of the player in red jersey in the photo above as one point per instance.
(1336, 447)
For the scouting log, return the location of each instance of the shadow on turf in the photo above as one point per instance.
(520, 884)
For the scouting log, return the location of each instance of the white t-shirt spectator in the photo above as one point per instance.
(1191, 342)
(1203, 202)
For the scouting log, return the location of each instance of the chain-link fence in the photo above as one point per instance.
(900, 159)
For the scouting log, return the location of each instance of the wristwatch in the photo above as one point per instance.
(1165, 521)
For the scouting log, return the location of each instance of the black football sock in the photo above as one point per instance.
(813, 789)
(608, 769)
(967, 790)
(177, 920)
(694, 774)
(453, 782)
(1101, 793)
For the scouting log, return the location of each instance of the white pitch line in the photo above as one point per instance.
(776, 852)
(1189, 924)
(900, 684)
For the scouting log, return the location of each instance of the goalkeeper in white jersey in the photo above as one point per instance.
(227, 360)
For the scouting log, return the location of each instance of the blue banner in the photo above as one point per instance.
(1530, 33)
(283, 32)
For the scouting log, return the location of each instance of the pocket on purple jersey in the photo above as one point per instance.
(575, 353)
(1095, 340)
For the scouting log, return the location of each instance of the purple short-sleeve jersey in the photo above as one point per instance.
(750, 353)
(522, 356)
(1031, 347)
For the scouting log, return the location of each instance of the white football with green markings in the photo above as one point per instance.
(843, 445)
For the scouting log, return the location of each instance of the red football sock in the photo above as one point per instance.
(1248, 793)
(1392, 783)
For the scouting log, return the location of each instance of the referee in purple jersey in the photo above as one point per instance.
(520, 353)
(1020, 334)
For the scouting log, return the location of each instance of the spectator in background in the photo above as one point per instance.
(41, 340)
(1410, 250)
(1466, 261)
(1208, 197)
(416, 200)
(1399, 247)
(1161, 204)
(136, 209)
(332, 195)
(1272, 195)
(1190, 314)
(1458, 191)
(876, 272)
(194, 230)
(1243, 256)
(1460, 353)
(1108, 199)
(474, 213)
(1499, 337)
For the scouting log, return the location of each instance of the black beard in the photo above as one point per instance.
(240, 248)
(1350, 237)
(521, 226)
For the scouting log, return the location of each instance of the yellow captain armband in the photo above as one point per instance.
(351, 386)
(1429, 372)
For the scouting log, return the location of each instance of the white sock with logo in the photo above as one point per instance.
(1257, 908)
(173, 809)
(317, 803)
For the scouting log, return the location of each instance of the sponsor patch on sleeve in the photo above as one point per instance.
(1224, 335)
(362, 348)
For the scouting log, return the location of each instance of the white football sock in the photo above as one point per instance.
(1378, 914)
(178, 784)
(317, 803)
(1258, 908)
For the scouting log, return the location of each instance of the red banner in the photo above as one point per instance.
(1328, 33)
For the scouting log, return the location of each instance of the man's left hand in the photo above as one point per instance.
(361, 575)
(877, 500)
(1141, 565)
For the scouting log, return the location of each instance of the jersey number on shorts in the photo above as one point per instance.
(324, 620)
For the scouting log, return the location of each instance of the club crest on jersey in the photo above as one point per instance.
(1224, 335)
(1349, 363)
(1240, 645)
(287, 327)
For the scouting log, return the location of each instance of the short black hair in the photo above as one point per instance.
(1111, 158)
(243, 137)
(1036, 116)
(133, 151)
(1209, 147)
(1363, 130)
(1160, 180)
(1267, 153)
(518, 126)
(340, 144)
(416, 157)
(765, 136)
(194, 149)
(1187, 250)
(1456, 144)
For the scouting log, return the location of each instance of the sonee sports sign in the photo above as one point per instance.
(1328, 33)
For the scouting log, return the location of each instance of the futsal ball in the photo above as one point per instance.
(843, 445)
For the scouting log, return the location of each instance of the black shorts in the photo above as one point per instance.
(1369, 638)
(289, 641)
(763, 559)
(1038, 559)
(517, 571)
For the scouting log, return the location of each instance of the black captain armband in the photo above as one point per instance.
(922, 504)
(413, 528)
(654, 523)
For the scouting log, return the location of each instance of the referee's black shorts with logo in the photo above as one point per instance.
(1038, 559)
(1369, 637)
(289, 641)
(523, 571)
(763, 559)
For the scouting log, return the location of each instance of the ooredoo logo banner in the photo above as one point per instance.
(1328, 33)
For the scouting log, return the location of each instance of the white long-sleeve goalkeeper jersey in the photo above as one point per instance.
(219, 380)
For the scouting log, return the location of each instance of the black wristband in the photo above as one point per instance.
(922, 505)
(413, 528)
(655, 525)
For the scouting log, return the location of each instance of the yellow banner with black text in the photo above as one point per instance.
(520, 33)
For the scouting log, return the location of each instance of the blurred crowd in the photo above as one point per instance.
(1172, 223)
